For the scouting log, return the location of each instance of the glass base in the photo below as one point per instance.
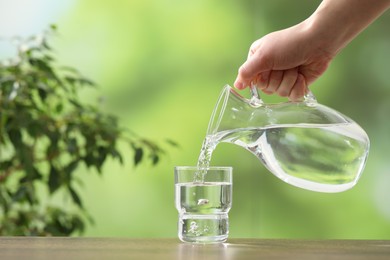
(203, 228)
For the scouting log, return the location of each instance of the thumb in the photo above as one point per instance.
(252, 67)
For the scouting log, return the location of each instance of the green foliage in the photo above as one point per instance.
(46, 135)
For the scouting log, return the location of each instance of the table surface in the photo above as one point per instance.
(134, 248)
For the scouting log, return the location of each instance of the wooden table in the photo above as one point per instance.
(130, 248)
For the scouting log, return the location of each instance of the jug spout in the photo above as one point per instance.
(234, 111)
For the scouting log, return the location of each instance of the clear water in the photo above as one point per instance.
(203, 198)
(326, 158)
(203, 228)
(203, 209)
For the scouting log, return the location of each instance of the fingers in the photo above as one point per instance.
(299, 89)
(289, 78)
(280, 82)
(288, 83)
(273, 82)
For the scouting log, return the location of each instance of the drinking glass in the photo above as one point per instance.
(203, 198)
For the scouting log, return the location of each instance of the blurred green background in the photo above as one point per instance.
(160, 65)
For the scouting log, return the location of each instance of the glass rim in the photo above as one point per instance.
(230, 168)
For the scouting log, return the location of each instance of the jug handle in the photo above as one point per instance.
(256, 99)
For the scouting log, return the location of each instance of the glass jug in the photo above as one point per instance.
(303, 143)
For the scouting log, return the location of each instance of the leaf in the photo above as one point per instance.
(42, 94)
(34, 129)
(89, 160)
(87, 82)
(72, 147)
(75, 197)
(70, 69)
(54, 179)
(43, 66)
(30, 194)
(172, 143)
(75, 103)
(27, 160)
(71, 80)
(59, 108)
(101, 157)
(53, 27)
(138, 155)
(155, 159)
(4, 201)
(78, 224)
(20, 194)
(16, 138)
(115, 154)
(69, 169)
(52, 150)
(48, 58)
(4, 165)
(32, 176)
(46, 45)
